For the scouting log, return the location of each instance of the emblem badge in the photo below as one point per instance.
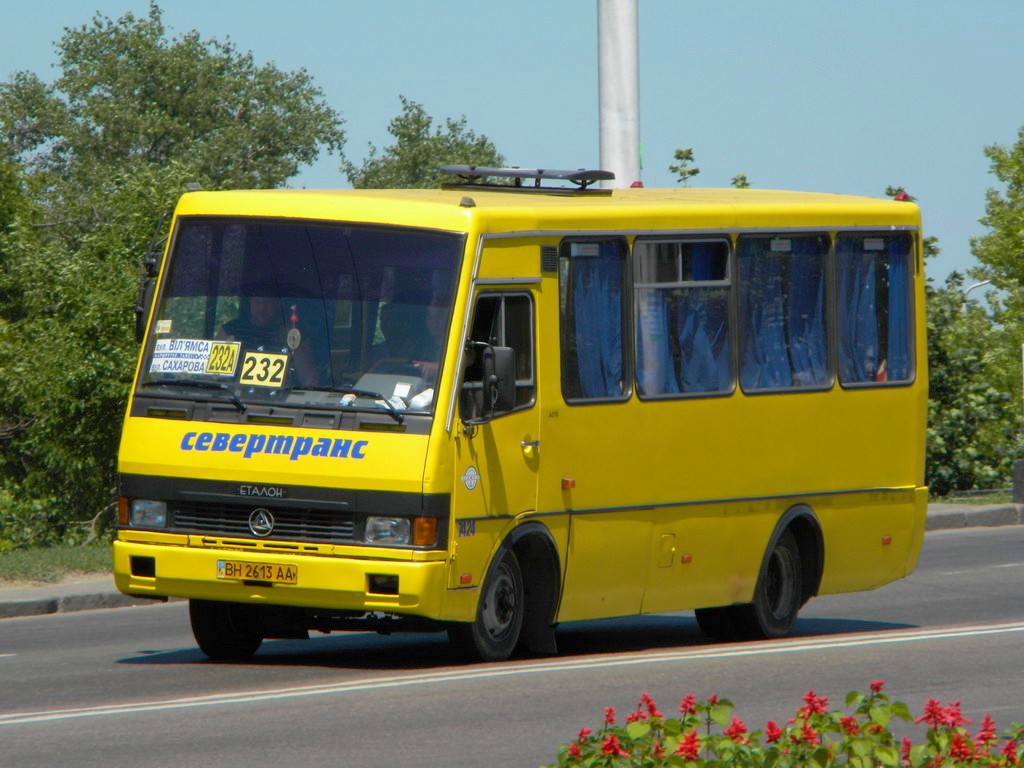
(471, 478)
(261, 522)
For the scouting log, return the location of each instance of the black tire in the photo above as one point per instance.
(225, 631)
(494, 634)
(778, 595)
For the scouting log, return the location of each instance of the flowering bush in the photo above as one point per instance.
(707, 734)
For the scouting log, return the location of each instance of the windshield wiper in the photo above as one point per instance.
(231, 396)
(392, 411)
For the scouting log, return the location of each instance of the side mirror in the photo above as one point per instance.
(143, 304)
(499, 365)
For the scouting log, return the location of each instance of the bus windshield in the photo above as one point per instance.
(302, 313)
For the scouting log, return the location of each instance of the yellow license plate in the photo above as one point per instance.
(240, 570)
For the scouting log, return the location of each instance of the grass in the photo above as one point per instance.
(55, 563)
(980, 498)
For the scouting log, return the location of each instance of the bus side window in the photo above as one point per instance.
(783, 322)
(874, 308)
(591, 303)
(500, 320)
(681, 299)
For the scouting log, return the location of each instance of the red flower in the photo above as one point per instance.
(905, 751)
(953, 717)
(737, 731)
(1009, 751)
(609, 715)
(987, 736)
(632, 717)
(584, 732)
(712, 699)
(849, 725)
(689, 746)
(772, 731)
(648, 702)
(574, 751)
(961, 749)
(659, 750)
(611, 746)
(876, 686)
(808, 736)
(688, 706)
(814, 705)
(933, 714)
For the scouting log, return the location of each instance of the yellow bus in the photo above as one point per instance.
(522, 400)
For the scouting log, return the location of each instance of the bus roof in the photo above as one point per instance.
(508, 210)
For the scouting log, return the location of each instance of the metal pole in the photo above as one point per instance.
(619, 89)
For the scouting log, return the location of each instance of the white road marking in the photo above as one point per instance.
(476, 673)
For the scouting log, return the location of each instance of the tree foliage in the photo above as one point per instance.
(419, 150)
(972, 417)
(683, 167)
(88, 165)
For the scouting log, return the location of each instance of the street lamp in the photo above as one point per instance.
(971, 288)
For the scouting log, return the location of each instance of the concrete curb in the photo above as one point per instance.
(99, 591)
(948, 516)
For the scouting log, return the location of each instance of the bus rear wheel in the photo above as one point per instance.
(225, 631)
(778, 595)
(494, 634)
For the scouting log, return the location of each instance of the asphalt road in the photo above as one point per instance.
(126, 686)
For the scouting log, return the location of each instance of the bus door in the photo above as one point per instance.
(497, 452)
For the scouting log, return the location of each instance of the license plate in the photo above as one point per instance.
(240, 570)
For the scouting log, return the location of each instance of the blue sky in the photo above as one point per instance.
(824, 95)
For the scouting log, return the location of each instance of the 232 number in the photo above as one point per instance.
(260, 370)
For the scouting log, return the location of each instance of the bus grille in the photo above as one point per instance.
(290, 523)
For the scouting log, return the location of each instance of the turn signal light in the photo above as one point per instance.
(424, 531)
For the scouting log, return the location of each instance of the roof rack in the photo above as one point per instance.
(476, 177)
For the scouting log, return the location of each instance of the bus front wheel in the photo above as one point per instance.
(494, 634)
(225, 631)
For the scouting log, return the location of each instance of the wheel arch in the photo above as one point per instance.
(537, 553)
(803, 523)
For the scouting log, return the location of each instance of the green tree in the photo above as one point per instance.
(419, 150)
(683, 167)
(973, 422)
(740, 181)
(100, 154)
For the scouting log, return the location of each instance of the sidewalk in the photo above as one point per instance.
(98, 591)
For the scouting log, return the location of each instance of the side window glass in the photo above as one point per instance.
(500, 320)
(592, 305)
(682, 317)
(783, 329)
(874, 302)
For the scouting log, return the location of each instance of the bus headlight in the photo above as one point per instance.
(148, 514)
(388, 531)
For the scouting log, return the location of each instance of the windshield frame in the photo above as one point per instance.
(334, 282)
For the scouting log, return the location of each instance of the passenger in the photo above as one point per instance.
(265, 325)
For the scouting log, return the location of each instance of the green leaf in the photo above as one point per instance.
(638, 729)
(887, 756)
(880, 715)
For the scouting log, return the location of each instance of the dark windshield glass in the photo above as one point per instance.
(297, 313)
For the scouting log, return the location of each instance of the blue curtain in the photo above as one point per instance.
(808, 344)
(596, 285)
(655, 368)
(898, 364)
(702, 325)
(858, 318)
(764, 362)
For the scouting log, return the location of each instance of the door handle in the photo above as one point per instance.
(530, 444)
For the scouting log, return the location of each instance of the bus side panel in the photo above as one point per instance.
(871, 539)
(607, 564)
